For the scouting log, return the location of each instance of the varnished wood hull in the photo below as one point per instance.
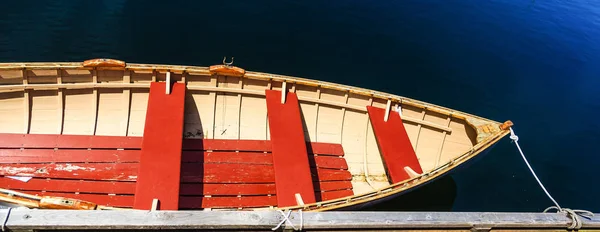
(105, 100)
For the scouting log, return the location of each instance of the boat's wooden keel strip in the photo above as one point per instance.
(394, 144)
(292, 172)
(160, 162)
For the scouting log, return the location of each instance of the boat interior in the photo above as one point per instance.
(184, 137)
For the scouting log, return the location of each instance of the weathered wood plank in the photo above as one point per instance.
(160, 162)
(8, 156)
(394, 144)
(101, 199)
(134, 219)
(227, 189)
(256, 146)
(67, 141)
(290, 156)
(79, 171)
(196, 202)
(60, 185)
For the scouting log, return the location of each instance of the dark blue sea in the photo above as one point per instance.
(534, 62)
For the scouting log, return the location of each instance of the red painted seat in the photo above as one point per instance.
(394, 145)
(290, 159)
(160, 161)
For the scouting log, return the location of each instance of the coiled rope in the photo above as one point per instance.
(574, 214)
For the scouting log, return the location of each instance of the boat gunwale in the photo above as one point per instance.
(200, 70)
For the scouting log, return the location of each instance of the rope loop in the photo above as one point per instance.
(574, 214)
(514, 137)
(286, 219)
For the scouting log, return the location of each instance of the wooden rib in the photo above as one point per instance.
(239, 115)
(126, 103)
(267, 132)
(26, 103)
(95, 102)
(444, 134)
(343, 118)
(213, 95)
(213, 89)
(61, 102)
(317, 113)
(418, 130)
(366, 153)
(182, 78)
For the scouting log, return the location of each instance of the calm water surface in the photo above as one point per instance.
(534, 62)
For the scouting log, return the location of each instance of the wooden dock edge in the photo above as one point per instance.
(29, 220)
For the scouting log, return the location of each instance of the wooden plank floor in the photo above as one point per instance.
(240, 171)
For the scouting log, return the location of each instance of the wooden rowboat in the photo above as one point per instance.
(175, 137)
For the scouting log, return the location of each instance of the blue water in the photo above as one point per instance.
(534, 62)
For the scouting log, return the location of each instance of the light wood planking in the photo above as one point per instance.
(95, 100)
(444, 134)
(12, 111)
(44, 112)
(110, 112)
(126, 104)
(253, 110)
(137, 112)
(227, 110)
(318, 96)
(213, 95)
(78, 112)
(61, 102)
(239, 114)
(419, 131)
(26, 104)
(343, 118)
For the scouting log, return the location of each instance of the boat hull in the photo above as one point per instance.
(352, 147)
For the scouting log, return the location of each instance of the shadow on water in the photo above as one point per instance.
(438, 195)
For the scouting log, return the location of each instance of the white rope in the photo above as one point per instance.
(286, 218)
(515, 139)
(573, 214)
(6, 219)
(399, 109)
